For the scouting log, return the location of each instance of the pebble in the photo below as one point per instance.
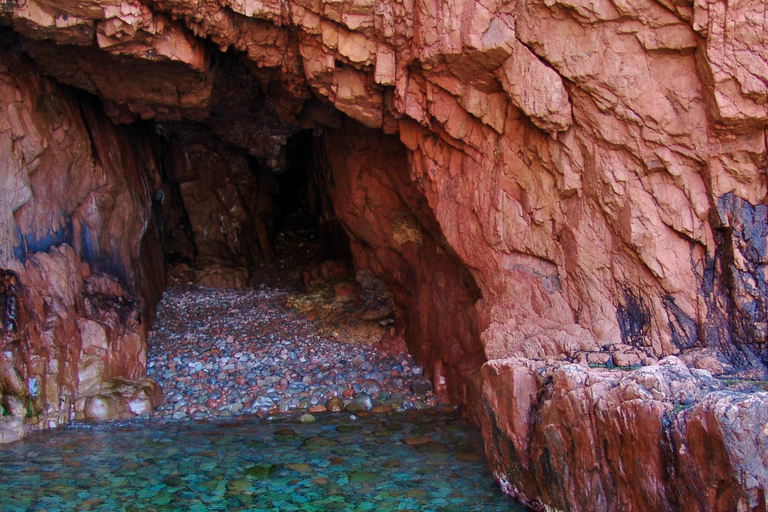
(365, 400)
(334, 404)
(355, 407)
(421, 387)
(220, 353)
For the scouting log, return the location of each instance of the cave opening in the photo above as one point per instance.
(248, 182)
(242, 229)
(304, 208)
(293, 191)
(226, 215)
(247, 250)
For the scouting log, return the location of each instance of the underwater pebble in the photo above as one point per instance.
(421, 460)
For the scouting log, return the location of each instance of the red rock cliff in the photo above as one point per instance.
(575, 183)
(80, 258)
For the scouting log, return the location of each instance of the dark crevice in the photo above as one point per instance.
(303, 203)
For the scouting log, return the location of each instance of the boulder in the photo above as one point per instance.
(11, 429)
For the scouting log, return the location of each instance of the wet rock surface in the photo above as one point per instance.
(218, 353)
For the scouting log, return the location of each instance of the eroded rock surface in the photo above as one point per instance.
(11, 429)
(75, 284)
(567, 434)
(546, 182)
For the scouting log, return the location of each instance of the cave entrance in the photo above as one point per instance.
(266, 309)
(305, 227)
(144, 190)
(227, 218)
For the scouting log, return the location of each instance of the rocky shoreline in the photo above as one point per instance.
(660, 437)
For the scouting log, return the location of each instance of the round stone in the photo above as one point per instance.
(334, 405)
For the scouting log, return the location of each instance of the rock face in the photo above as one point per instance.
(542, 183)
(394, 233)
(663, 437)
(80, 256)
(215, 209)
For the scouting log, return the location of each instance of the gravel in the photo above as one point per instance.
(219, 353)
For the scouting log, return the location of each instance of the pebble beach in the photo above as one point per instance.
(219, 353)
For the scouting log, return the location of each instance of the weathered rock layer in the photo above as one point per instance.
(81, 264)
(574, 182)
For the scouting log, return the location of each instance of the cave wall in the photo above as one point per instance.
(588, 163)
(82, 265)
(598, 167)
(217, 209)
(393, 232)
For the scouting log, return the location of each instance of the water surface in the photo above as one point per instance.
(426, 461)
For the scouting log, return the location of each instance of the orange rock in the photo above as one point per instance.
(417, 440)
(381, 409)
(344, 289)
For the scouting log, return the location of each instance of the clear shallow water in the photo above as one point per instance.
(415, 461)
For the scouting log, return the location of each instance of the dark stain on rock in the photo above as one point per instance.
(8, 303)
(683, 328)
(734, 284)
(634, 318)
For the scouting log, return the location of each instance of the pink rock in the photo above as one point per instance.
(533, 180)
(11, 429)
(626, 359)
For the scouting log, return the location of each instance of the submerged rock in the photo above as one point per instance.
(260, 471)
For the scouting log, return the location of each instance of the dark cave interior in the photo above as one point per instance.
(216, 195)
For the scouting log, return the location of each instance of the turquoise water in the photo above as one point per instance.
(426, 461)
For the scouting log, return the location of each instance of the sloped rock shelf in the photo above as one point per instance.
(420, 460)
